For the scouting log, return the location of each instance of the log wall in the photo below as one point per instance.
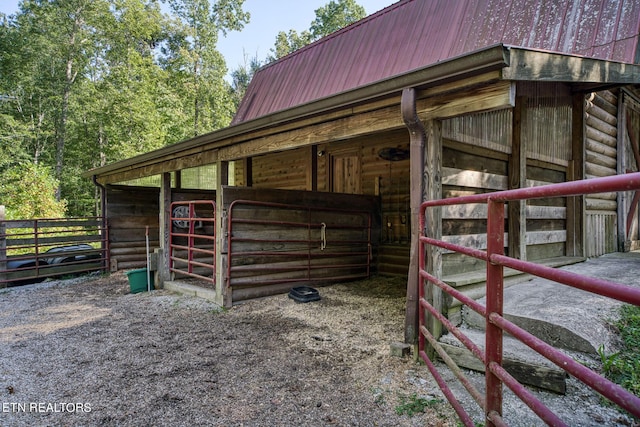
(601, 112)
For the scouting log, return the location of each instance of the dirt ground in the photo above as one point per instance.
(87, 352)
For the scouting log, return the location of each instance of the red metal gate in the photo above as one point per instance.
(496, 324)
(192, 242)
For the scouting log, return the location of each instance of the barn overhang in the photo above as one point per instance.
(497, 65)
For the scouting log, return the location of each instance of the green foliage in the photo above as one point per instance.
(414, 405)
(334, 16)
(87, 82)
(329, 18)
(241, 77)
(28, 191)
(623, 367)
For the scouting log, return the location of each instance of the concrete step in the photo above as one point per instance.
(567, 318)
(520, 361)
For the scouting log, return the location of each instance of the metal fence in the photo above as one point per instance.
(193, 240)
(36, 249)
(496, 324)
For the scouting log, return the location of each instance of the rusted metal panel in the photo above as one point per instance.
(412, 34)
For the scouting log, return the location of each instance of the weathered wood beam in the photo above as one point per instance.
(473, 179)
(485, 98)
(433, 219)
(576, 205)
(517, 170)
(416, 193)
(544, 66)
(223, 292)
(165, 229)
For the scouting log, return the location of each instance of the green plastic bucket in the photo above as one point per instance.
(138, 280)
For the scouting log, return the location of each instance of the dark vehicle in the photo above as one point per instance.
(36, 265)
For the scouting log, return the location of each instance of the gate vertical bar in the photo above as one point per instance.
(191, 239)
(495, 245)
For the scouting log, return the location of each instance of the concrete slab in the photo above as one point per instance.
(566, 317)
(191, 290)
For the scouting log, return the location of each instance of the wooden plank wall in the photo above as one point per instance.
(258, 269)
(546, 218)
(468, 170)
(601, 143)
(285, 170)
(129, 211)
(378, 177)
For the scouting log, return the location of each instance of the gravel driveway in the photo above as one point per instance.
(86, 352)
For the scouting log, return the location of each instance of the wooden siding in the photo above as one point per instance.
(546, 218)
(601, 157)
(467, 170)
(257, 269)
(286, 170)
(129, 211)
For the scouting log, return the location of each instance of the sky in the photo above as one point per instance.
(268, 17)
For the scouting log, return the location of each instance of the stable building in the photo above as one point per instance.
(320, 175)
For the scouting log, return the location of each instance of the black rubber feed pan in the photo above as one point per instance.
(304, 294)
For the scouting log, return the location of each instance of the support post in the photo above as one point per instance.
(433, 216)
(576, 212)
(417, 143)
(247, 171)
(426, 184)
(163, 261)
(312, 168)
(223, 291)
(518, 179)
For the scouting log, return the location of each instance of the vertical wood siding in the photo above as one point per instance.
(129, 211)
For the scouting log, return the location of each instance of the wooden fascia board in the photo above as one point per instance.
(360, 120)
(532, 65)
(481, 61)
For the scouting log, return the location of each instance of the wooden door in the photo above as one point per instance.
(345, 173)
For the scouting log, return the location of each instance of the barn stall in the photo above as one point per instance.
(485, 116)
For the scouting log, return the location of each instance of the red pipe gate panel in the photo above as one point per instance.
(193, 247)
(496, 324)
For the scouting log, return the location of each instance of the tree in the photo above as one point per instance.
(29, 190)
(241, 77)
(329, 18)
(196, 65)
(87, 82)
(334, 16)
(54, 41)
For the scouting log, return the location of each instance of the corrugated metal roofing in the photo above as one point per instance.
(413, 34)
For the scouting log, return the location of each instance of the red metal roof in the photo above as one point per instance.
(413, 34)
